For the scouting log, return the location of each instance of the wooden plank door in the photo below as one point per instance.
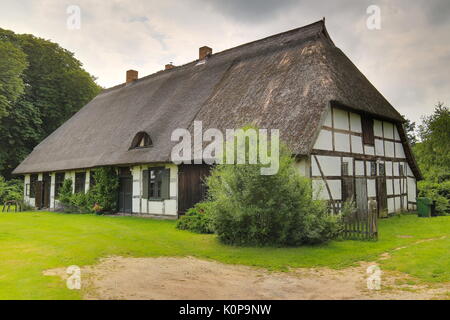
(348, 189)
(361, 196)
(125, 194)
(38, 194)
(382, 197)
(191, 187)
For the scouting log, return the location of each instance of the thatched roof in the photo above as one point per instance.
(282, 82)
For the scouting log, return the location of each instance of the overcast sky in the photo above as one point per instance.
(408, 59)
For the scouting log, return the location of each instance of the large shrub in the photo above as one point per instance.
(10, 190)
(101, 197)
(440, 192)
(253, 209)
(197, 219)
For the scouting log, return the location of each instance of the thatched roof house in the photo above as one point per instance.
(290, 81)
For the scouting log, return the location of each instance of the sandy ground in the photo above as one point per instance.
(192, 278)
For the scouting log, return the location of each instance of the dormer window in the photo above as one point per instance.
(141, 140)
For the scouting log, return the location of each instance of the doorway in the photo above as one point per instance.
(125, 191)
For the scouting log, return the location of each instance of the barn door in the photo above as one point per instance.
(46, 190)
(38, 194)
(382, 197)
(191, 187)
(361, 195)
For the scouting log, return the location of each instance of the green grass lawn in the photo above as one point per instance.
(35, 241)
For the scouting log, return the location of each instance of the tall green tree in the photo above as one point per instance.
(433, 150)
(41, 86)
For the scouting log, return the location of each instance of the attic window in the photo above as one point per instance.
(141, 140)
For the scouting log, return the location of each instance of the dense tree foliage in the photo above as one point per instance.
(41, 86)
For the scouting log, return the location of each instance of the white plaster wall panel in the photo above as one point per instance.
(341, 119)
(389, 145)
(389, 168)
(391, 208)
(359, 168)
(302, 167)
(324, 140)
(396, 186)
(26, 181)
(319, 190)
(396, 135)
(409, 171)
(331, 166)
(357, 146)
(31, 202)
(355, 122)
(341, 142)
(411, 189)
(173, 187)
(389, 187)
(368, 168)
(335, 188)
(170, 207)
(40, 177)
(399, 152)
(155, 207)
(52, 190)
(328, 122)
(388, 130)
(396, 169)
(377, 128)
(349, 160)
(144, 206)
(397, 204)
(379, 147)
(371, 188)
(370, 150)
(405, 202)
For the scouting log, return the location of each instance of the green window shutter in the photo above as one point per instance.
(165, 184)
(145, 184)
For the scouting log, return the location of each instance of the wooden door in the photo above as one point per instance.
(382, 197)
(361, 196)
(125, 194)
(38, 194)
(191, 187)
(47, 180)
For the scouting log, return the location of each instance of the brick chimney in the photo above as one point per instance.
(204, 52)
(132, 75)
(169, 66)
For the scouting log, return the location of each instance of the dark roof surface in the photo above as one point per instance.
(281, 82)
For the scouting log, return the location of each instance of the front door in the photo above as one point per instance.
(361, 196)
(125, 194)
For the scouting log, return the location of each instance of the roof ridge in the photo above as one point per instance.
(177, 68)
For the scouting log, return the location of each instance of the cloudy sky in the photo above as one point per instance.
(408, 59)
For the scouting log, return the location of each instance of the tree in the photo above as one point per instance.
(41, 86)
(433, 150)
(12, 64)
(410, 128)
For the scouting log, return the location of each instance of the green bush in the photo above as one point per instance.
(252, 209)
(104, 192)
(197, 219)
(10, 190)
(436, 191)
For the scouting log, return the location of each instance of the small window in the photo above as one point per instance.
(59, 180)
(367, 128)
(141, 140)
(373, 168)
(382, 169)
(345, 168)
(80, 182)
(33, 180)
(91, 179)
(27, 190)
(156, 183)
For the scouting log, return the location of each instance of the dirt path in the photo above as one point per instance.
(192, 278)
